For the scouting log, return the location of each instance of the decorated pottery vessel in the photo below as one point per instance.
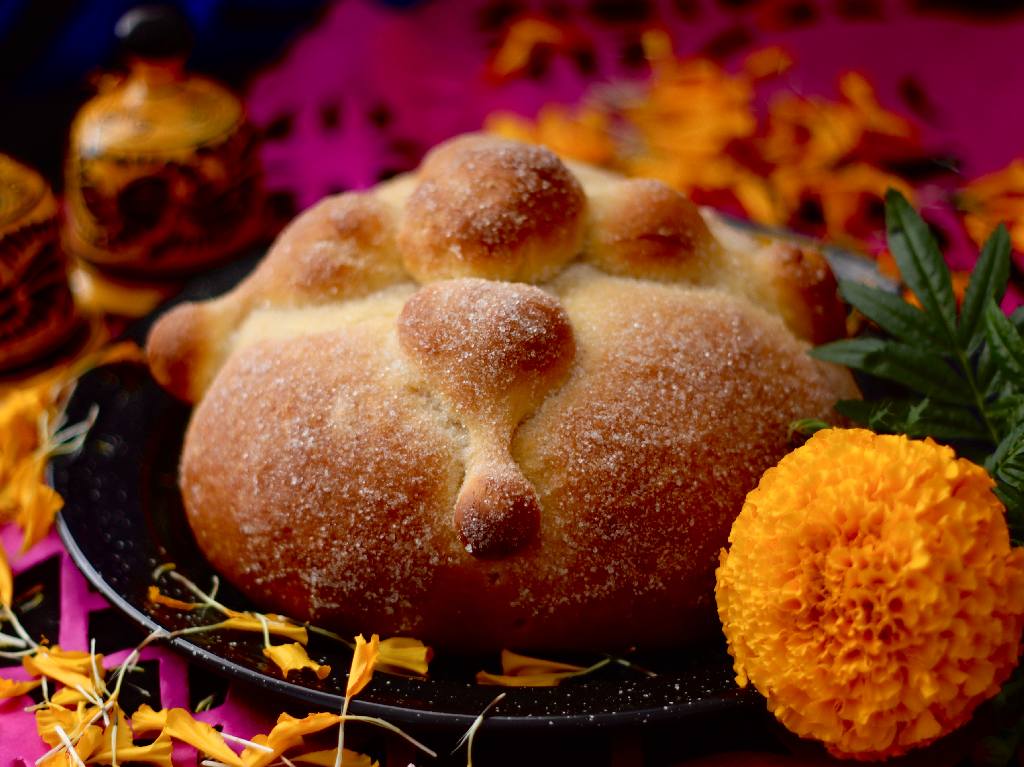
(162, 170)
(36, 308)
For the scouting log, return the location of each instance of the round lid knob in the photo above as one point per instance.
(154, 32)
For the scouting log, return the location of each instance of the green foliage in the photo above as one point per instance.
(955, 377)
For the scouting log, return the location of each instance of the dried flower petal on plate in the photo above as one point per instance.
(524, 671)
(404, 654)
(156, 597)
(293, 657)
(870, 591)
(364, 660)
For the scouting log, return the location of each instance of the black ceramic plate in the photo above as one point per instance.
(123, 517)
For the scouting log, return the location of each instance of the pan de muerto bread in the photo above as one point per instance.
(502, 401)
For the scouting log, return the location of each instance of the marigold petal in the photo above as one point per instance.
(6, 580)
(514, 664)
(328, 759)
(244, 622)
(522, 680)
(71, 720)
(146, 720)
(521, 38)
(181, 726)
(12, 688)
(404, 654)
(88, 744)
(293, 657)
(286, 734)
(767, 62)
(154, 595)
(158, 753)
(364, 658)
(38, 503)
(69, 667)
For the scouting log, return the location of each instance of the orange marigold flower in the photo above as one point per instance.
(871, 593)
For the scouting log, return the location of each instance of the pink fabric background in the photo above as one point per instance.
(428, 66)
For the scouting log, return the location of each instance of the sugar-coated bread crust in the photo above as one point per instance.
(534, 434)
(486, 207)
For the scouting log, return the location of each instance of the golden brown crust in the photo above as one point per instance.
(491, 208)
(322, 473)
(484, 463)
(806, 291)
(642, 228)
(493, 350)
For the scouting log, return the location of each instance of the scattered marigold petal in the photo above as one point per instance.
(69, 667)
(71, 720)
(871, 592)
(6, 580)
(286, 734)
(88, 744)
(363, 661)
(994, 198)
(146, 720)
(154, 595)
(37, 502)
(514, 664)
(524, 680)
(158, 753)
(329, 759)
(521, 38)
(11, 688)
(767, 62)
(404, 654)
(178, 724)
(524, 671)
(68, 697)
(242, 622)
(293, 657)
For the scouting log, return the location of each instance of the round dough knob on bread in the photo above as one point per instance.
(487, 207)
